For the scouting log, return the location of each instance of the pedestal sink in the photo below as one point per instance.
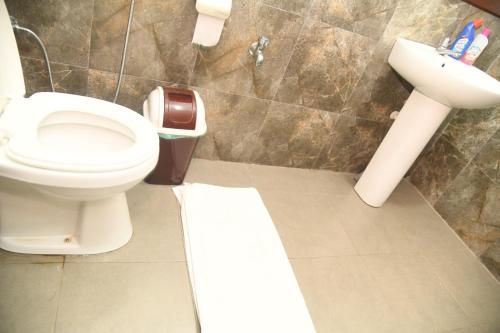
(440, 84)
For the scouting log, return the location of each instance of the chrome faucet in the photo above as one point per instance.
(443, 49)
(256, 50)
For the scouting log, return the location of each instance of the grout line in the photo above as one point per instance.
(299, 34)
(88, 52)
(468, 162)
(125, 262)
(339, 113)
(59, 292)
(455, 234)
(91, 30)
(54, 62)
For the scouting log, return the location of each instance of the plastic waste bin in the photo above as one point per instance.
(179, 118)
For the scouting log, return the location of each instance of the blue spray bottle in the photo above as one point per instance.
(465, 38)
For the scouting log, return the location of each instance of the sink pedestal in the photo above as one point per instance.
(415, 125)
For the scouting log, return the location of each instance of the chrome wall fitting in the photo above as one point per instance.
(256, 50)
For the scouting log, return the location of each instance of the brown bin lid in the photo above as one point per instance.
(180, 108)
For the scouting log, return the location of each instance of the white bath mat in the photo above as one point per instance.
(241, 278)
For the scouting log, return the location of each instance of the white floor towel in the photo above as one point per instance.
(241, 278)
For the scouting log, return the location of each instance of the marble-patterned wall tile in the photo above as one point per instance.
(63, 25)
(488, 158)
(354, 141)
(490, 214)
(424, 21)
(494, 67)
(469, 130)
(159, 44)
(381, 90)
(491, 258)
(293, 136)
(133, 91)
(437, 169)
(229, 68)
(234, 123)
(325, 66)
(66, 78)
(469, 206)
(367, 18)
(299, 7)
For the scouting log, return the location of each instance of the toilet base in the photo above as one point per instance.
(31, 222)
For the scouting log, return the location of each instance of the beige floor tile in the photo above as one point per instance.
(471, 284)
(307, 224)
(372, 230)
(398, 227)
(28, 297)
(218, 173)
(416, 294)
(157, 233)
(300, 180)
(342, 296)
(11, 257)
(125, 297)
(480, 328)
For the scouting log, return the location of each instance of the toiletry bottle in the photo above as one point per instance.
(477, 46)
(465, 38)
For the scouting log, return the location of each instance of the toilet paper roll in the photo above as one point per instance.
(208, 30)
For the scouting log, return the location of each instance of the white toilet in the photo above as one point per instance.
(65, 163)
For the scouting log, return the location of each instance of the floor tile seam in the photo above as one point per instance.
(327, 171)
(324, 257)
(349, 237)
(248, 168)
(59, 292)
(126, 262)
(443, 221)
(390, 302)
(43, 263)
(448, 289)
(304, 192)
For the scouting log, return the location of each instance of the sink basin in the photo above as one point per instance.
(441, 83)
(442, 78)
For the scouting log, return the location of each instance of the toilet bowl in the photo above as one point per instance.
(65, 163)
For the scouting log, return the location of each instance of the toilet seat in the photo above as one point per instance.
(39, 140)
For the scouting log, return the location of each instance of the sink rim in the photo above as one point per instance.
(450, 76)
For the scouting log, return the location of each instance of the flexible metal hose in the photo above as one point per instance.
(18, 27)
(124, 54)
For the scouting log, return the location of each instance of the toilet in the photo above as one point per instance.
(65, 164)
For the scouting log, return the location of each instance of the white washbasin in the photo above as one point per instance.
(442, 78)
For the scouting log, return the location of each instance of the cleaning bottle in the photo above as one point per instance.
(477, 46)
(465, 38)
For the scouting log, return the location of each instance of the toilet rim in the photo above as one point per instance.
(67, 179)
(25, 148)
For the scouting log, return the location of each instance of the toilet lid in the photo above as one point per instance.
(81, 134)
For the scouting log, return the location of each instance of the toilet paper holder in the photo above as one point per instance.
(211, 17)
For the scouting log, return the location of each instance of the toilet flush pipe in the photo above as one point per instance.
(16, 26)
(124, 54)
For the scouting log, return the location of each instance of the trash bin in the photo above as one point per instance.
(179, 118)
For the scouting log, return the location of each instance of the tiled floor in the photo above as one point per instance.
(394, 269)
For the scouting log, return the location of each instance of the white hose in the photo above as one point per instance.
(18, 27)
(124, 54)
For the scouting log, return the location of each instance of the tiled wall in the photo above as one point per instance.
(322, 99)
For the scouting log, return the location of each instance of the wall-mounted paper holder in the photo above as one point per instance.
(211, 17)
